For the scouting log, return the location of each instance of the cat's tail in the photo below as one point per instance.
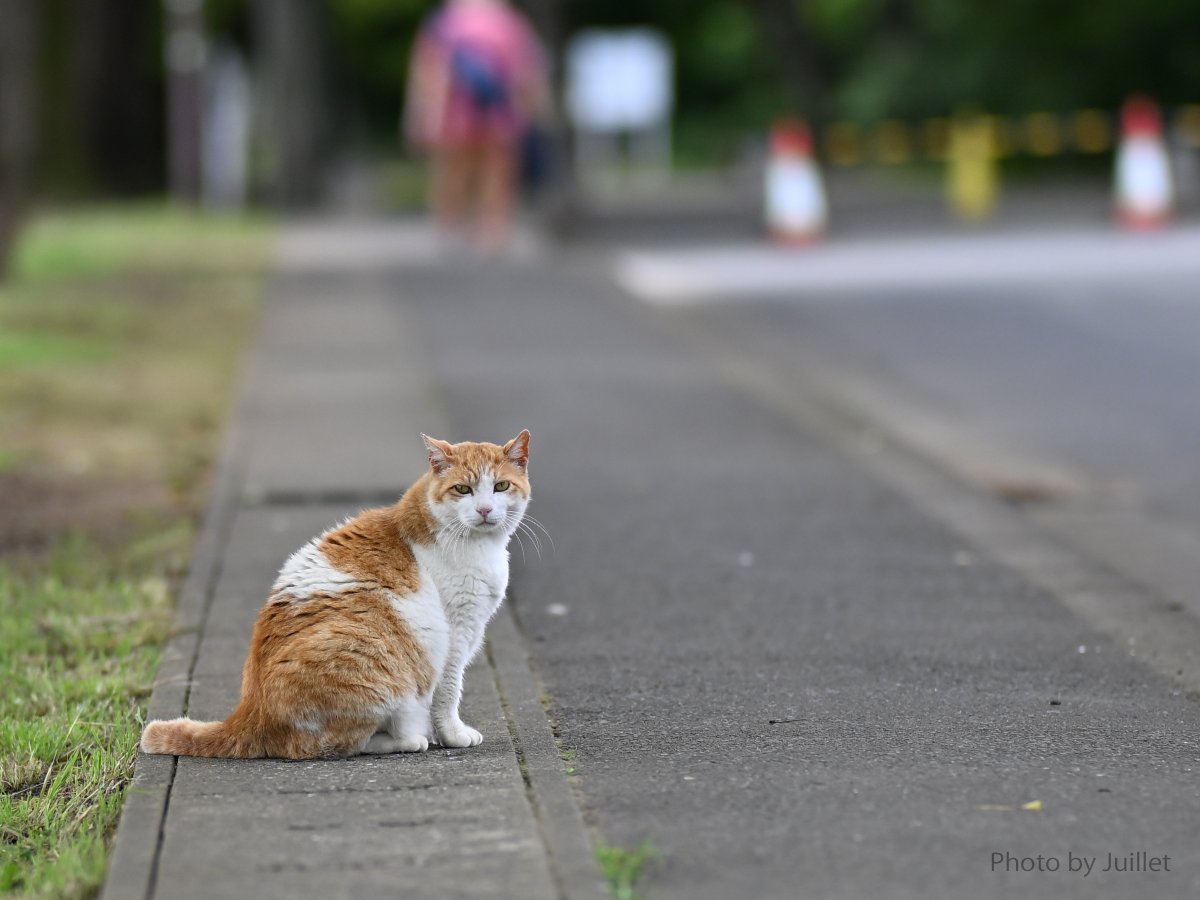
(183, 737)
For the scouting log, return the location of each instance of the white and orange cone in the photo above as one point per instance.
(1144, 189)
(795, 205)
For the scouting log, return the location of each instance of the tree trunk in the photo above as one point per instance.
(185, 51)
(99, 100)
(18, 119)
(293, 102)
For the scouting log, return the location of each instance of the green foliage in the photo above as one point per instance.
(568, 757)
(374, 38)
(880, 58)
(623, 868)
(926, 57)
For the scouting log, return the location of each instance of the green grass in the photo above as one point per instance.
(18, 351)
(80, 634)
(120, 330)
(623, 868)
(568, 757)
(111, 240)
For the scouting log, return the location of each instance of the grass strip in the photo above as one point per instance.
(119, 334)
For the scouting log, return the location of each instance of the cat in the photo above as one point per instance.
(362, 643)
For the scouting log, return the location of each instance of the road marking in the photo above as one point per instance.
(740, 272)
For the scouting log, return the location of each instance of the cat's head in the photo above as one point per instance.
(478, 489)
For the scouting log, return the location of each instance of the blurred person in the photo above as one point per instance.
(476, 82)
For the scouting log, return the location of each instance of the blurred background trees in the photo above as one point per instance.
(327, 75)
(18, 91)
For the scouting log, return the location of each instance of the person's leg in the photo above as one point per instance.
(497, 192)
(449, 186)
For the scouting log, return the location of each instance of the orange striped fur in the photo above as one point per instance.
(361, 644)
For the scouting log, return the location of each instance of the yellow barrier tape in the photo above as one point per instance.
(935, 138)
(1004, 137)
(1042, 135)
(1091, 130)
(843, 144)
(892, 143)
(1039, 134)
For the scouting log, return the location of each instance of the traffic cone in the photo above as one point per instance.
(795, 207)
(1144, 193)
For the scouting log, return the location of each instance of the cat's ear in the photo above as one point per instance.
(517, 450)
(439, 454)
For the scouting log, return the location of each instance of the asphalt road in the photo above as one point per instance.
(768, 661)
(1097, 379)
(1067, 360)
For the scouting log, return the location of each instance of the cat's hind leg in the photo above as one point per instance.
(407, 729)
(385, 743)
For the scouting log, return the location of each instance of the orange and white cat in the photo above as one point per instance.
(361, 646)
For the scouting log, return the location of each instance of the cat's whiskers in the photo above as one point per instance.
(523, 528)
(512, 524)
(528, 524)
(521, 544)
(528, 519)
(537, 547)
(446, 532)
(453, 536)
(461, 534)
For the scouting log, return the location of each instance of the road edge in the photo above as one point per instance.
(564, 834)
(1144, 624)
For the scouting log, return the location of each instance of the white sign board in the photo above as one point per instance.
(619, 80)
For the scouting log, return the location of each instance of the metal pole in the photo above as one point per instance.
(184, 53)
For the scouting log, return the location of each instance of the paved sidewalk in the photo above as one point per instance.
(336, 395)
(786, 650)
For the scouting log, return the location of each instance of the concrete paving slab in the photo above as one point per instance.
(329, 422)
(352, 828)
(337, 394)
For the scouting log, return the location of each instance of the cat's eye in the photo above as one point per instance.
(462, 488)
(500, 487)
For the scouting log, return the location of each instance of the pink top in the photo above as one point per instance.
(476, 73)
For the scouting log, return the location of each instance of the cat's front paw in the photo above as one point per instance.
(458, 734)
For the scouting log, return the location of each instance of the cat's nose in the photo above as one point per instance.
(484, 511)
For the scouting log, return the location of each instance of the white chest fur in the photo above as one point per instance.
(470, 578)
